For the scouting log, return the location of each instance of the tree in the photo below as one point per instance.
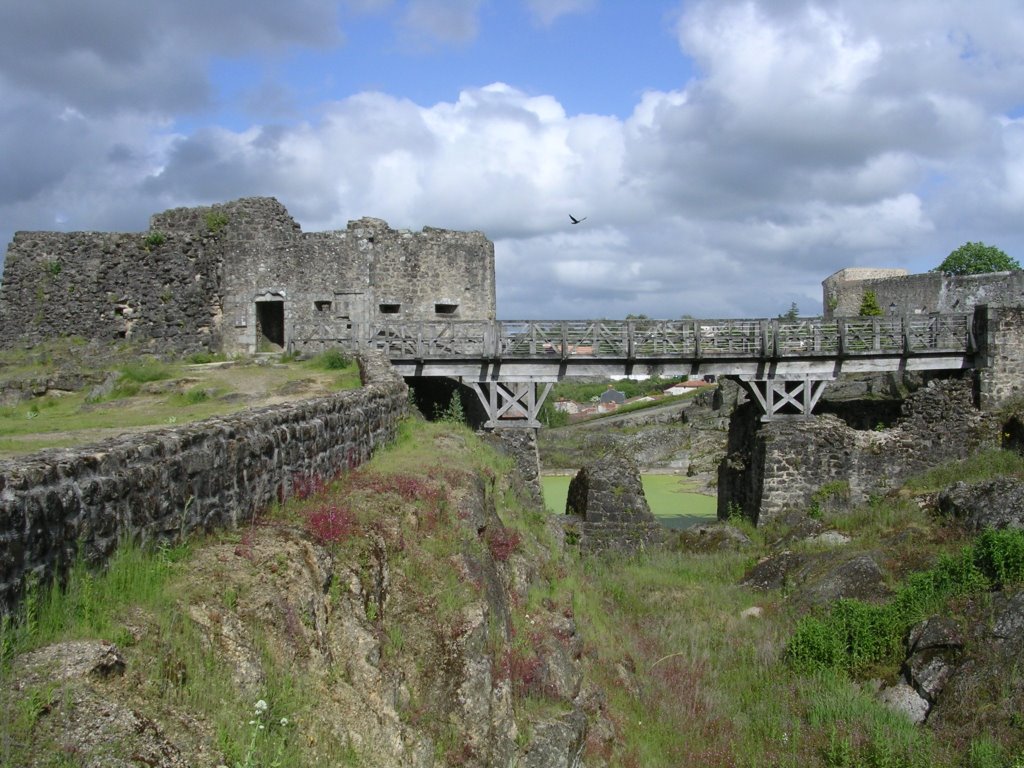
(792, 314)
(975, 259)
(869, 305)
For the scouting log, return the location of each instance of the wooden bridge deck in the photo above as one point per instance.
(553, 349)
(783, 364)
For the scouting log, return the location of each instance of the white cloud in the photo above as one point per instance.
(813, 137)
(546, 12)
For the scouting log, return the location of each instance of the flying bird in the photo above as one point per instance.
(575, 220)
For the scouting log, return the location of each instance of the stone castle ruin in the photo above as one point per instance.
(899, 293)
(239, 277)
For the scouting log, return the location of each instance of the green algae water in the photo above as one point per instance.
(672, 499)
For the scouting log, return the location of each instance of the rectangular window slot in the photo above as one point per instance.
(322, 306)
(445, 309)
(390, 309)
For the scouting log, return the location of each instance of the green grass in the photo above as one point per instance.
(684, 678)
(984, 465)
(858, 637)
(75, 419)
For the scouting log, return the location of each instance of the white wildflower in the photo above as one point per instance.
(261, 707)
(284, 721)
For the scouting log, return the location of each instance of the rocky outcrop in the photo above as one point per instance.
(405, 643)
(608, 498)
(819, 579)
(995, 503)
(717, 537)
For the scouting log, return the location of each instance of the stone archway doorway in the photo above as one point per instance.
(269, 325)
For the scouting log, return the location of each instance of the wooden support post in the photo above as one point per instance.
(511, 404)
(773, 395)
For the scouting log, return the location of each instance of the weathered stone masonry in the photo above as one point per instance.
(778, 467)
(237, 277)
(160, 486)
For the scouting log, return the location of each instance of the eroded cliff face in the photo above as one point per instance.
(409, 617)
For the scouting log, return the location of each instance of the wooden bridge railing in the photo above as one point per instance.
(666, 339)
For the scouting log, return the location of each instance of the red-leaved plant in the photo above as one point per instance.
(331, 523)
(502, 542)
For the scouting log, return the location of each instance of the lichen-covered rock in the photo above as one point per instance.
(557, 743)
(903, 699)
(819, 579)
(995, 503)
(774, 572)
(716, 537)
(933, 650)
(857, 577)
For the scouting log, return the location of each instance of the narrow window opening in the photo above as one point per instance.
(322, 306)
(390, 309)
(445, 309)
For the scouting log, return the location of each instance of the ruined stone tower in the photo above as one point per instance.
(239, 277)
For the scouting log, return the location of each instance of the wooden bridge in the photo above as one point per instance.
(783, 364)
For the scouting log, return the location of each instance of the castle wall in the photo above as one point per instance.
(239, 277)
(161, 486)
(924, 293)
(110, 287)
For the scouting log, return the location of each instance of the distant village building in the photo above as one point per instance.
(682, 387)
(612, 396)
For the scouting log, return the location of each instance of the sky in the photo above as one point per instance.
(728, 155)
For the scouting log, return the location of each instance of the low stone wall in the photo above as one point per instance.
(161, 486)
(779, 466)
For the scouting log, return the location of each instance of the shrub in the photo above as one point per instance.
(304, 486)
(215, 221)
(524, 671)
(854, 635)
(153, 239)
(999, 555)
(195, 396)
(869, 306)
(454, 413)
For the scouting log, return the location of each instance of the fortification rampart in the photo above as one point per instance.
(238, 277)
(158, 290)
(901, 294)
(161, 486)
(786, 466)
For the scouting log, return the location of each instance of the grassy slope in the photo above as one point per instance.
(405, 503)
(684, 678)
(153, 394)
